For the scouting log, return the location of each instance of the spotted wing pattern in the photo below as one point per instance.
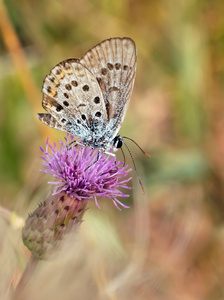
(74, 101)
(89, 97)
(113, 62)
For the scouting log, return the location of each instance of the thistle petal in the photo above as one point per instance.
(81, 175)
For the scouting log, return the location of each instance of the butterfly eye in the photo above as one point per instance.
(83, 117)
(63, 120)
(78, 121)
(66, 103)
(118, 142)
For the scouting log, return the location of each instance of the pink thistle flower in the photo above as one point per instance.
(80, 175)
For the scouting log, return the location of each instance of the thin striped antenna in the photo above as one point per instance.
(136, 172)
(146, 154)
(123, 156)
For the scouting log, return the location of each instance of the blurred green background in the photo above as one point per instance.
(176, 114)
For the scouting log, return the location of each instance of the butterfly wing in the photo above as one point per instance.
(73, 98)
(113, 62)
(48, 120)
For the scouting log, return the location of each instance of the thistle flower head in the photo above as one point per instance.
(81, 175)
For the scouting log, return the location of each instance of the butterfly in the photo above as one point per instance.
(89, 97)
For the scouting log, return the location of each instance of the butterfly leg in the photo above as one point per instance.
(111, 154)
(93, 163)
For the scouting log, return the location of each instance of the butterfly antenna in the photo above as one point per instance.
(123, 156)
(146, 154)
(139, 180)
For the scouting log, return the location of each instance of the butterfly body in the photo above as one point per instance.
(89, 97)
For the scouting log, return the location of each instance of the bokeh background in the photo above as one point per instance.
(169, 244)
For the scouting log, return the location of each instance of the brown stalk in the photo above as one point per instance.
(18, 56)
